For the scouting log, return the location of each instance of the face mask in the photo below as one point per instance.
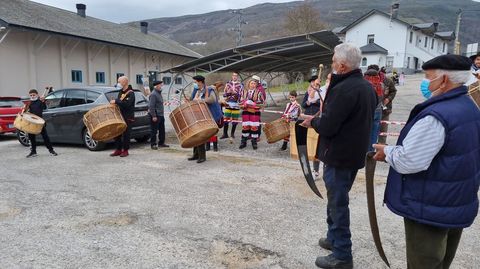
(33, 98)
(195, 85)
(424, 87)
(118, 86)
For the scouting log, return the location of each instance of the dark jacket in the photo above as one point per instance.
(311, 109)
(155, 104)
(346, 121)
(127, 104)
(37, 107)
(445, 195)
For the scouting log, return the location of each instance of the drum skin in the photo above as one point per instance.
(312, 141)
(104, 122)
(193, 123)
(276, 130)
(29, 123)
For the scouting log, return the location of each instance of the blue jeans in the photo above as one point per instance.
(338, 183)
(375, 128)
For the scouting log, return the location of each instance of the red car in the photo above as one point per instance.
(9, 108)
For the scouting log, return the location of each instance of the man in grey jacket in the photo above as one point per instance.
(157, 120)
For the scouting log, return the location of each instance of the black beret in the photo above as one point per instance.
(199, 78)
(313, 78)
(473, 57)
(448, 62)
(157, 82)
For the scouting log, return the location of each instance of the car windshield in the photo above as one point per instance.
(139, 97)
(10, 103)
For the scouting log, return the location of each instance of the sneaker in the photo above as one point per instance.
(116, 153)
(53, 152)
(32, 154)
(154, 147)
(163, 146)
(224, 136)
(124, 153)
(330, 262)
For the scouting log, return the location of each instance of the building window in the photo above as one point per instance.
(444, 45)
(140, 79)
(120, 75)
(178, 81)
(370, 39)
(411, 37)
(389, 63)
(433, 43)
(167, 80)
(364, 61)
(76, 76)
(100, 77)
(426, 42)
(408, 62)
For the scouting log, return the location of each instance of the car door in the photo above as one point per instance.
(70, 115)
(53, 102)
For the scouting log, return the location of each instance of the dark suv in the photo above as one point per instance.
(65, 110)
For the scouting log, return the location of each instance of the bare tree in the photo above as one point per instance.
(304, 19)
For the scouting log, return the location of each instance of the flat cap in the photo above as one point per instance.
(448, 62)
(157, 82)
(199, 78)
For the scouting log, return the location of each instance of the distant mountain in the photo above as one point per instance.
(211, 32)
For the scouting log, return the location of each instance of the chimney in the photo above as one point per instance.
(81, 8)
(395, 7)
(144, 27)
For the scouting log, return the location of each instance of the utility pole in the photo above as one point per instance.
(238, 27)
(457, 32)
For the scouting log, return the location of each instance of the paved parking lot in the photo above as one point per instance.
(154, 209)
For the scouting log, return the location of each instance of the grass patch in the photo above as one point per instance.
(299, 87)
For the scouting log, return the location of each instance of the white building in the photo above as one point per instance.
(388, 41)
(45, 46)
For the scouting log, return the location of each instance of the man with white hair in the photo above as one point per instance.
(344, 128)
(435, 167)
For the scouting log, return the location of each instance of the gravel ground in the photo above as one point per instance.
(240, 209)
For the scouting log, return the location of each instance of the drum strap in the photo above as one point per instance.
(125, 95)
(301, 139)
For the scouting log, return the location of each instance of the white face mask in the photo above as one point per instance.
(118, 86)
(34, 98)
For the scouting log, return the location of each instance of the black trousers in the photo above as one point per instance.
(157, 128)
(122, 142)
(46, 140)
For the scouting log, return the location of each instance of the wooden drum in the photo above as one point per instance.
(276, 130)
(312, 141)
(474, 93)
(29, 123)
(104, 122)
(193, 123)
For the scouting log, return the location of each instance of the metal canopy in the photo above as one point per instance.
(289, 54)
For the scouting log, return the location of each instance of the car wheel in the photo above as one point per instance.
(142, 139)
(23, 138)
(91, 144)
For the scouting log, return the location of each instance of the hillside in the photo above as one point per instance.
(266, 21)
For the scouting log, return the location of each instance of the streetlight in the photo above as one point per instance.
(457, 30)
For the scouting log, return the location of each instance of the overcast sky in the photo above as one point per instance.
(134, 10)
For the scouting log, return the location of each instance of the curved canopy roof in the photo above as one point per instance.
(287, 54)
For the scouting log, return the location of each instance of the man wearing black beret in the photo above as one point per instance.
(157, 119)
(434, 176)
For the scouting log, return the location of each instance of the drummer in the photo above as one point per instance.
(251, 101)
(201, 92)
(291, 113)
(126, 103)
(36, 107)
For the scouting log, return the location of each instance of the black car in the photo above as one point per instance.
(65, 110)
